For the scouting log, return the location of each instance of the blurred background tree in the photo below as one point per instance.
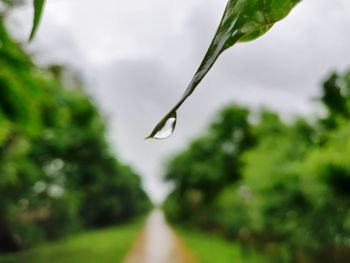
(275, 186)
(58, 174)
(209, 163)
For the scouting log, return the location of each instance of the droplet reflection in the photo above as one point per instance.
(166, 129)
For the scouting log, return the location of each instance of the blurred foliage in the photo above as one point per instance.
(195, 171)
(274, 186)
(105, 245)
(58, 174)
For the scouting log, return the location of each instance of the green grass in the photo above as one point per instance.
(208, 248)
(99, 246)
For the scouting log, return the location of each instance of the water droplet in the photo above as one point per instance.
(165, 127)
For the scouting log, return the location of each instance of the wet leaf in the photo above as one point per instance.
(38, 10)
(243, 20)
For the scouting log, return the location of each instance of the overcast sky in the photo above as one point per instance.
(138, 57)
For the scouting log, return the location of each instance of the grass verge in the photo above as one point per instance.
(99, 246)
(209, 248)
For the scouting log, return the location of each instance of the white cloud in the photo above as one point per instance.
(139, 57)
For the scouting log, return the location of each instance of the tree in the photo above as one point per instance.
(210, 162)
(291, 195)
(58, 174)
(336, 98)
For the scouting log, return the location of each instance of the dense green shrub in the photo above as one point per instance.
(57, 172)
(291, 198)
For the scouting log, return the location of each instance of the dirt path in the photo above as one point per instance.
(157, 243)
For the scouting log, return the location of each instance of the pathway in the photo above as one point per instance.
(157, 243)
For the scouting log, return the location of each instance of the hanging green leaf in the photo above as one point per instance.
(38, 10)
(243, 20)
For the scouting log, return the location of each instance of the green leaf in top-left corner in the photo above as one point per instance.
(38, 10)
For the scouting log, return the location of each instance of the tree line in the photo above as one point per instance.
(58, 174)
(280, 187)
